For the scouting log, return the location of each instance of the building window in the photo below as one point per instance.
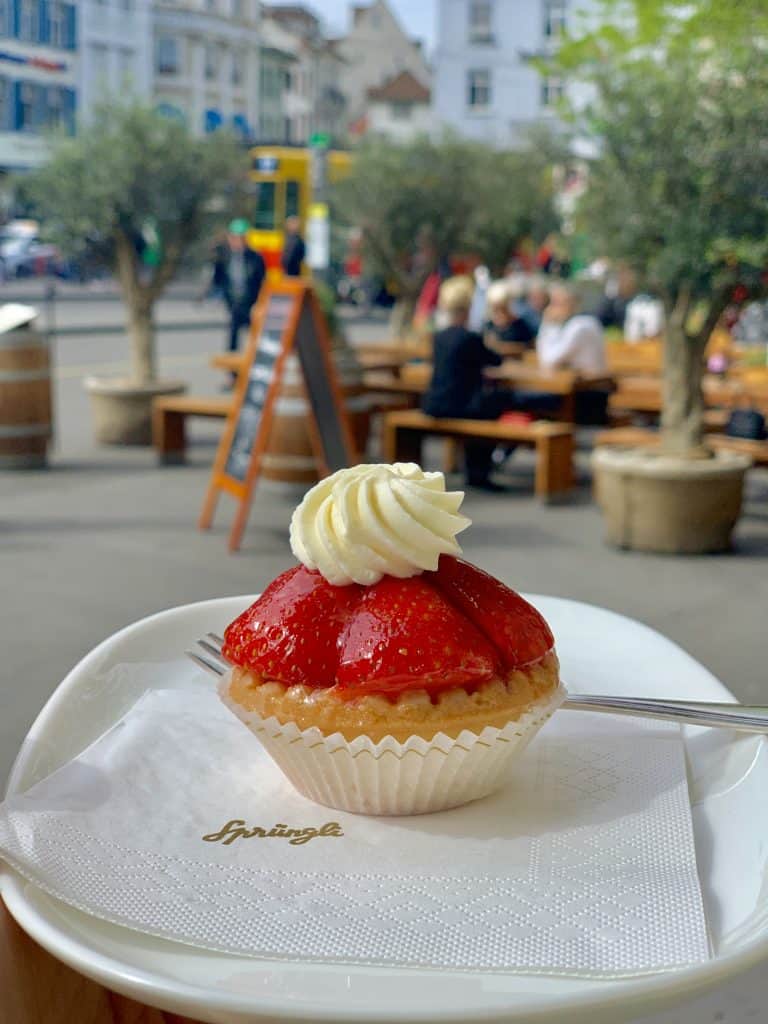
(481, 21)
(57, 24)
(400, 111)
(238, 65)
(28, 24)
(167, 55)
(552, 89)
(210, 5)
(100, 68)
(238, 9)
(55, 114)
(25, 113)
(5, 104)
(211, 61)
(554, 18)
(125, 68)
(479, 89)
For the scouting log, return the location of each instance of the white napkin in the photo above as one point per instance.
(584, 864)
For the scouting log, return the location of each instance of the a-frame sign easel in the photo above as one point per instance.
(286, 319)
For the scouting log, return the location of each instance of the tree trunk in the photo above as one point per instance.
(141, 332)
(682, 420)
(401, 317)
(139, 301)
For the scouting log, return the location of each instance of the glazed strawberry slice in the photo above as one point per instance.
(404, 635)
(514, 627)
(290, 633)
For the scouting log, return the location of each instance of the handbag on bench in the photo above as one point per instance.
(746, 423)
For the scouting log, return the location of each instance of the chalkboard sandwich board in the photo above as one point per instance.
(287, 318)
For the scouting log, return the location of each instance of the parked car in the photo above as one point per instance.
(23, 253)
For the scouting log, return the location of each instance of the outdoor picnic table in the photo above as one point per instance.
(525, 376)
(373, 360)
(644, 393)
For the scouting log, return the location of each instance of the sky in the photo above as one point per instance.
(416, 16)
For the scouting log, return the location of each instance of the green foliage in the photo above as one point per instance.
(128, 169)
(461, 196)
(678, 186)
(679, 119)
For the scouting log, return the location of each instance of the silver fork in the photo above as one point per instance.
(740, 717)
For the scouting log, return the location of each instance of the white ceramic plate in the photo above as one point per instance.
(600, 652)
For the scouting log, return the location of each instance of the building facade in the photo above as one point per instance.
(312, 98)
(485, 86)
(399, 109)
(38, 78)
(115, 51)
(275, 78)
(376, 49)
(206, 57)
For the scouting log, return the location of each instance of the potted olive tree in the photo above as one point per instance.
(678, 120)
(421, 202)
(135, 189)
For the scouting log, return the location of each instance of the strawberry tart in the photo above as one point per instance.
(383, 673)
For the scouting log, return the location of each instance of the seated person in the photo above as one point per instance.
(503, 325)
(457, 388)
(619, 292)
(529, 300)
(568, 340)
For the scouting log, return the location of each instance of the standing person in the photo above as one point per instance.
(456, 388)
(238, 273)
(294, 248)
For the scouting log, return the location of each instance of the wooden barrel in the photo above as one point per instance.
(289, 457)
(25, 399)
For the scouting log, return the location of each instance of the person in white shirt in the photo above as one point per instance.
(568, 340)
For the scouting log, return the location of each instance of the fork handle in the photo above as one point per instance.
(740, 717)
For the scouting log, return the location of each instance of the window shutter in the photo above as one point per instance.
(43, 22)
(6, 123)
(70, 34)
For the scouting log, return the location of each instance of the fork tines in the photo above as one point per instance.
(209, 657)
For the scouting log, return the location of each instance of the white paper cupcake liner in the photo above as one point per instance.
(389, 777)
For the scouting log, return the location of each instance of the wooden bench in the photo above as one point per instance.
(169, 417)
(638, 437)
(405, 430)
(756, 450)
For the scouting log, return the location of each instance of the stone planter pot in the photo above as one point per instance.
(122, 410)
(662, 503)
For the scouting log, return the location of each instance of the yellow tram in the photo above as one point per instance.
(282, 183)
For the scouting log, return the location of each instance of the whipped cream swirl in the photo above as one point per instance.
(369, 521)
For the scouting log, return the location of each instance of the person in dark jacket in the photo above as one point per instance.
(503, 325)
(294, 249)
(238, 274)
(457, 388)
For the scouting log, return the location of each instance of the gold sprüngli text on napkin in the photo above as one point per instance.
(235, 829)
